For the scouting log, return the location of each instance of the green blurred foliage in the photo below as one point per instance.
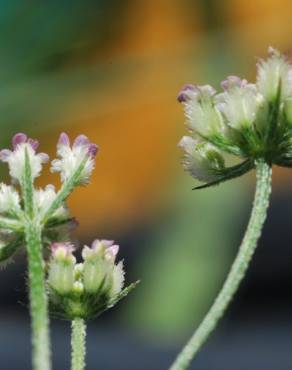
(188, 258)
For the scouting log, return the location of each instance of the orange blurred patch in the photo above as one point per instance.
(136, 121)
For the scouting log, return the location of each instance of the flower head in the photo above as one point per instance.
(80, 156)
(16, 158)
(85, 289)
(250, 121)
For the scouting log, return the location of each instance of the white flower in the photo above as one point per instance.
(16, 158)
(202, 115)
(69, 159)
(9, 199)
(99, 267)
(61, 268)
(43, 200)
(274, 73)
(239, 102)
(202, 160)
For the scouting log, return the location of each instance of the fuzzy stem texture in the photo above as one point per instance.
(38, 299)
(238, 269)
(36, 274)
(78, 344)
(65, 191)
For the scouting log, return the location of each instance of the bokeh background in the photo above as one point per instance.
(111, 69)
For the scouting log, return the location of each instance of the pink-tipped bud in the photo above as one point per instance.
(81, 140)
(16, 158)
(82, 153)
(233, 81)
(33, 143)
(186, 92)
(112, 252)
(62, 251)
(18, 139)
(92, 150)
(64, 140)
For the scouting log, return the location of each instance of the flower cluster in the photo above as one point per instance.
(75, 165)
(84, 290)
(76, 290)
(249, 121)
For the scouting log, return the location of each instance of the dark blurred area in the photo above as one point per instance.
(111, 70)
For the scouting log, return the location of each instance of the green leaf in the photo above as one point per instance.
(123, 294)
(10, 248)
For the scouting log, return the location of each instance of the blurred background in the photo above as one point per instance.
(111, 70)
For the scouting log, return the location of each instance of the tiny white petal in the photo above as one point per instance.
(118, 279)
(273, 73)
(69, 159)
(239, 104)
(43, 200)
(9, 199)
(202, 115)
(197, 162)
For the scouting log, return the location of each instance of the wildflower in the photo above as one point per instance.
(34, 218)
(45, 206)
(88, 288)
(16, 158)
(70, 159)
(249, 121)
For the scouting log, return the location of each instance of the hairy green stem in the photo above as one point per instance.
(38, 298)
(78, 344)
(238, 269)
(37, 289)
(64, 192)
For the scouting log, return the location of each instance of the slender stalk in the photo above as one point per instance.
(78, 344)
(64, 192)
(238, 269)
(38, 299)
(37, 289)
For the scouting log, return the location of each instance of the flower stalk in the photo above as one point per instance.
(38, 298)
(37, 291)
(78, 344)
(238, 269)
(40, 219)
